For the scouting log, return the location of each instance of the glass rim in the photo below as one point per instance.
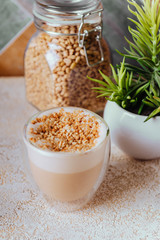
(51, 153)
(56, 15)
(63, 7)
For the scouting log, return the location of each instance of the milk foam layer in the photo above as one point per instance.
(68, 162)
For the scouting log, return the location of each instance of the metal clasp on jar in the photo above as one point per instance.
(82, 35)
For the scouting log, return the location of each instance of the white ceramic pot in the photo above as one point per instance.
(131, 134)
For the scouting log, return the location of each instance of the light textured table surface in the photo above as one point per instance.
(126, 206)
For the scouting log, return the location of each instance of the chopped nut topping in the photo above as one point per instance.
(65, 131)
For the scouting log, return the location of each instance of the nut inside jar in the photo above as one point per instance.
(56, 69)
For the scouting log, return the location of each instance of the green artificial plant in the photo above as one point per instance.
(137, 85)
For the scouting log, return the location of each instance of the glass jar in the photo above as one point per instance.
(67, 48)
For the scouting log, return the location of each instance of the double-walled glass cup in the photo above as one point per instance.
(68, 180)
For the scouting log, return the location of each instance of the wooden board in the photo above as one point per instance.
(11, 61)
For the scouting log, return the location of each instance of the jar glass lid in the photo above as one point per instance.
(69, 6)
(66, 12)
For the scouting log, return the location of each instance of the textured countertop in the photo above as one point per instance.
(126, 206)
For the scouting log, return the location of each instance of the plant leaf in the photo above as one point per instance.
(98, 81)
(108, 80)
(153, 114)
(114, 74)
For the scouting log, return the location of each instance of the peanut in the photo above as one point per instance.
(63, 82)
